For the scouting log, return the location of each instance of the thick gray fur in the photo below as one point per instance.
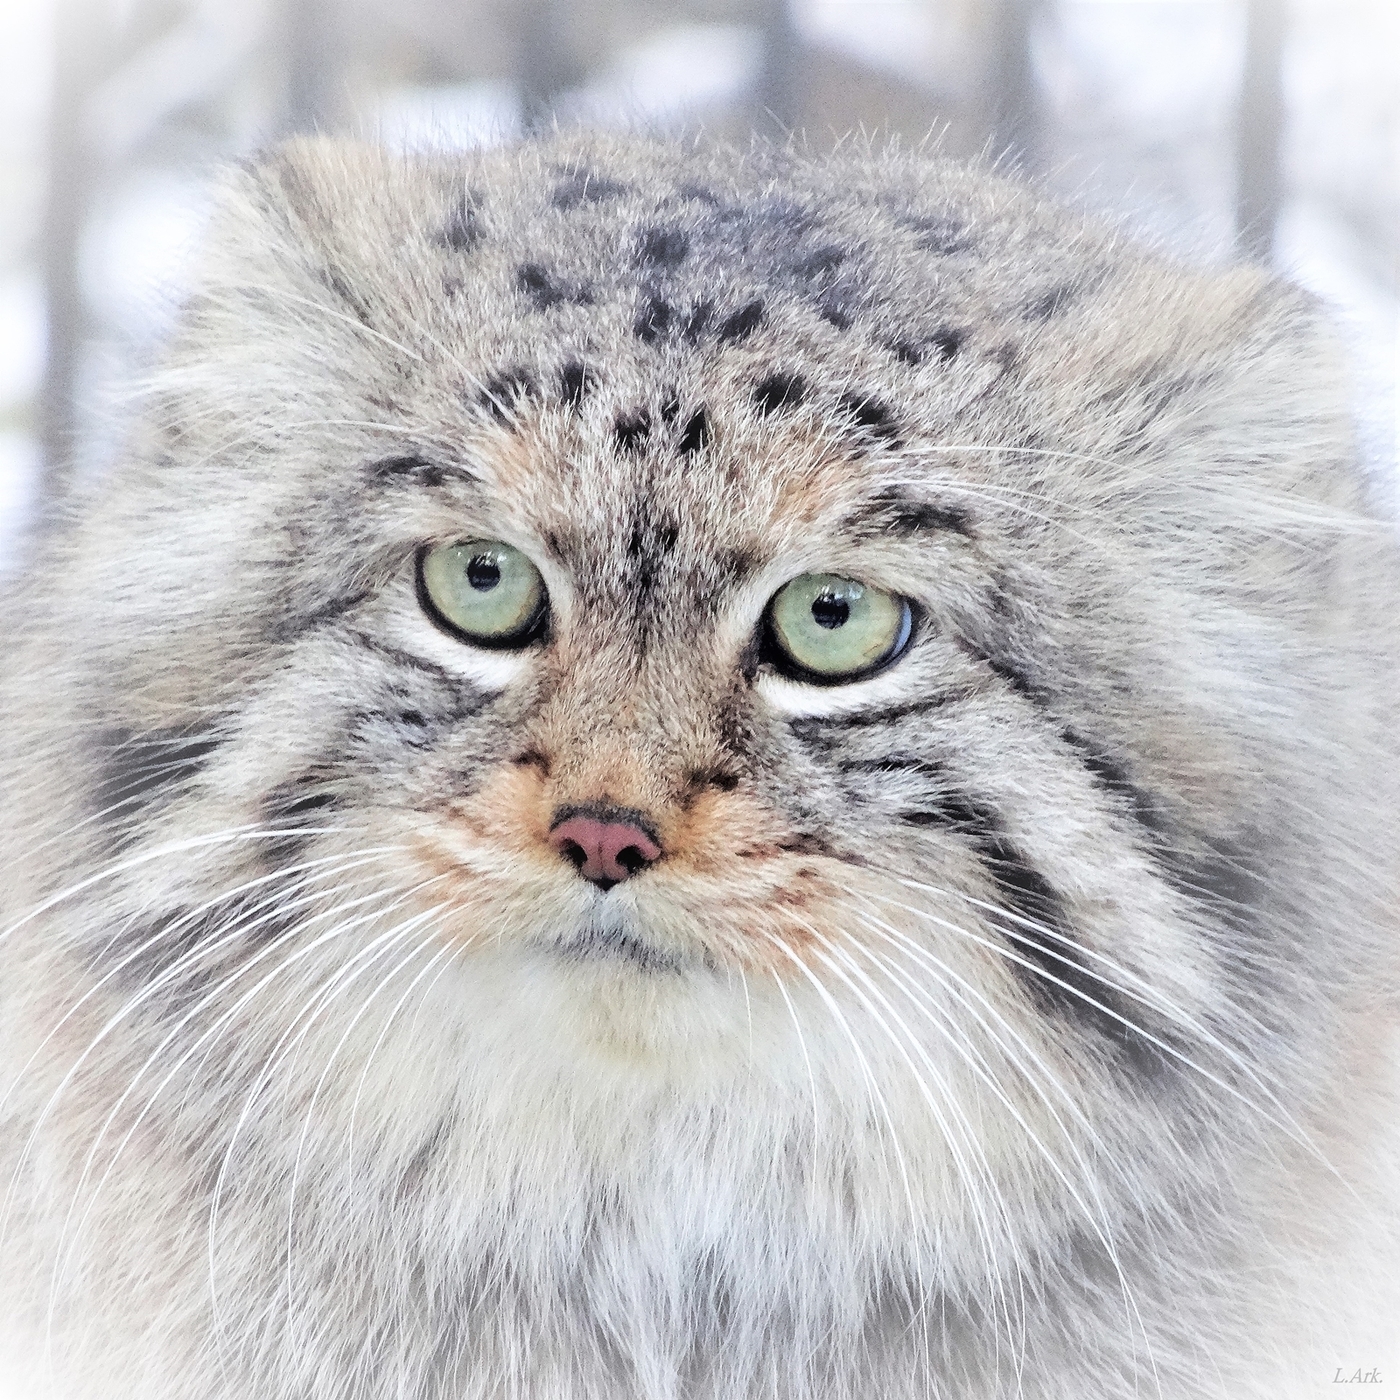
(1015, 1022)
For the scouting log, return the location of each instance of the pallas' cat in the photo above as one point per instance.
(669, 773)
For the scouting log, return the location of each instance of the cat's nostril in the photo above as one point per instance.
(631, 859)
(605, 845)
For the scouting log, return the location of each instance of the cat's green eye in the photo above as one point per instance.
(831, 629)
(486, 590)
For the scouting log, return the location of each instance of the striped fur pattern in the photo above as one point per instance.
(1012, 1022)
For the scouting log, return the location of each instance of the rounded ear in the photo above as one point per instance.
(293, 220)
(1234, 378)
(303, 267)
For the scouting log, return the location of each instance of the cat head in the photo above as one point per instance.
(692, 619)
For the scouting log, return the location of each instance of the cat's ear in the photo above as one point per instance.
(309, 222)
(308, 281)
(1270, 399)
(1231, 380)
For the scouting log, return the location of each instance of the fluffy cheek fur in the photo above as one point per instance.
(785, 1002)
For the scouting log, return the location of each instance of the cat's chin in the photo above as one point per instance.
(624, 942)
(617, 944)
(595, 996)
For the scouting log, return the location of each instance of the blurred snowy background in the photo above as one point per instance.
(1263, 128)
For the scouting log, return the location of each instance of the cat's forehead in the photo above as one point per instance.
(671, 266)
(647, 305)
(742, 340)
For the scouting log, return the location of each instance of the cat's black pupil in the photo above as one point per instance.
(483, 573)
(830, 611)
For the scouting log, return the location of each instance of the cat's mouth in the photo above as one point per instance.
(613, 942)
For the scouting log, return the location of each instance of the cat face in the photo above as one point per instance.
(671, 439)
(572, 645)
(711, 760)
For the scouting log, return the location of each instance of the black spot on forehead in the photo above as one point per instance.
(655, 533)
(947, 341)
(696, 432)
(942, 234)
(630, 430)
(779, 391)
(576, 382)
(585, 187)
(662, 247)
(872, 416)
(538, 285)
(740, 324)
(779, 215)
(698, 322)
(1050, 303)
(504, 390)
(545, 290)
(822, 261)
(461, 231)
(653, 319)
(653, 539)
(944, 343)
(834, 309)
(700, 194)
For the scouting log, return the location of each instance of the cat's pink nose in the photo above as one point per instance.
(605, 845)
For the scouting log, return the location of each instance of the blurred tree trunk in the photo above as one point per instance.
(778, 97)
(83, 41)
(1259, 130)
(1008, 104)
(546, 65)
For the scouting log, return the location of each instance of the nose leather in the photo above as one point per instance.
(605, 846)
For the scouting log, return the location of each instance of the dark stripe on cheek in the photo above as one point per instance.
(136, 773)
(184, 949)
(824, 730)
(1060, 980)
(288, 629)
(1112, 777)
(300, 806)
(405, 659)
(1219, 877)
(1012, 672)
